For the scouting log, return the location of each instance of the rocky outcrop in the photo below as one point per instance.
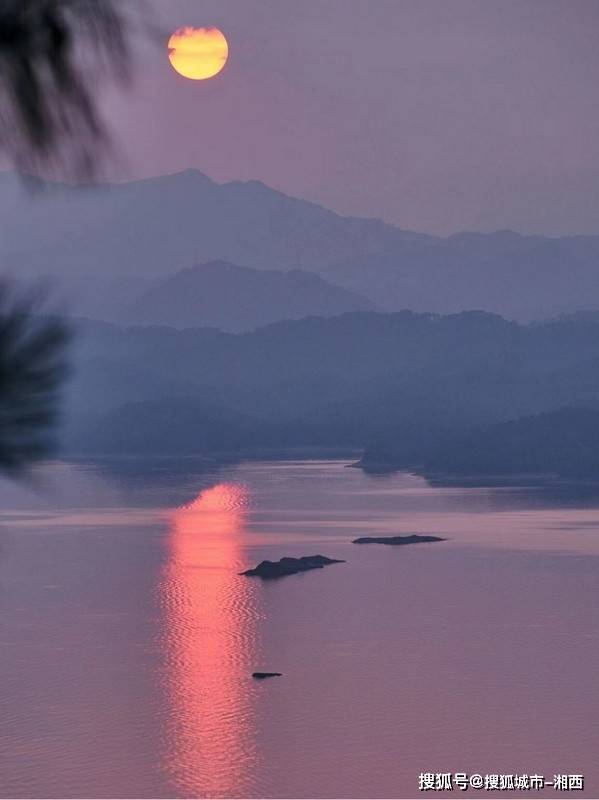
(261, 675)
(290, 566)
(413, 538)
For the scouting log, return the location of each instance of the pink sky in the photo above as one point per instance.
(434, 115)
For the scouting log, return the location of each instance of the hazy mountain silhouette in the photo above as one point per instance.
(404, 387)
(179, 426)
(563, 442)
(111, 241)
(233, 298)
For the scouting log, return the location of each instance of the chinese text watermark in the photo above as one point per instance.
(448, 781)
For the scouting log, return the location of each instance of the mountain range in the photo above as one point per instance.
(109, 244)
(409, 390)
(236, 299)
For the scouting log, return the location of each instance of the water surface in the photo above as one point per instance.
(128, 638)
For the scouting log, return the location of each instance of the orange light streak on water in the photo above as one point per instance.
(210, 635)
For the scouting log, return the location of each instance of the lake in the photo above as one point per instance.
(128, 638)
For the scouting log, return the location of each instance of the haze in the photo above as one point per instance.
(268, 282)
(433, 116)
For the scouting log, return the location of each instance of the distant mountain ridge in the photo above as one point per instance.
(109, 240)
(403, 387)
(236, 299)
(563, 442)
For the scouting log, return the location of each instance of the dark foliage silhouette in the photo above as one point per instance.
(32, 369)
(51, 54)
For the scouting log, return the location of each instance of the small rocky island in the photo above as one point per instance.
(413, 538)
(261, 675)
(290, 566)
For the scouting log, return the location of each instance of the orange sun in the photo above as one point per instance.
(198, 53)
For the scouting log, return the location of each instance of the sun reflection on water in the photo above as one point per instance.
(210, 638)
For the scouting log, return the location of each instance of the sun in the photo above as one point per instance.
(198, 53)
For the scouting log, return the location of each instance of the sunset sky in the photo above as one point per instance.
(433, 115)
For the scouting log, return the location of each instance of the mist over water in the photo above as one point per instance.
(129, 638)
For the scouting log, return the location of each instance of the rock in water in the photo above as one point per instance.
(261, 675)
(289, 566)
(412, 539)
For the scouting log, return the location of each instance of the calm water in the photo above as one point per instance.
(128, 639)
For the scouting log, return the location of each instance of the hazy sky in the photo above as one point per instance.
(436, 115)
